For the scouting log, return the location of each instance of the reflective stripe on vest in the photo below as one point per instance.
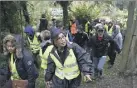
(69, 70)
(34, 45)
(86, 26)
(67, 37)
(110, 30)
(44, 56)
(13, 69)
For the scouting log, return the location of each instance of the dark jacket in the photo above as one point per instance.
(43, 24)
(26, 68)
(100, 48)
(84, 63)
(3, 70)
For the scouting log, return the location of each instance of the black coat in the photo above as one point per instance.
(26, 68)
(43, 24)
(83, 60)
(100, 48)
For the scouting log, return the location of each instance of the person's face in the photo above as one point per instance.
(100, 33)
(60, 41)
(10, 47)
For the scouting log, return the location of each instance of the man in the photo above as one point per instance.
(81, 37)
(43, 23)
(33, 43)
(100, 43)
(117, 37)
(66, 61)
(22, 70)
(109, 28)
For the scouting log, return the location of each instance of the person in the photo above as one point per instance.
(54, 22)
(33, 43)
(46, 47)
(81, 38)
(86, 27)
(99, 44)
(117, 37)
(43, 23)
(73, 26)
(22, 70)
(109, 28)
(66, 61)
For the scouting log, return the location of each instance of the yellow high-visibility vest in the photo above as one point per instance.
(44, 56)
(109, 31)
(86, 26)
(69, 70)
(34, 45)
(14, 73)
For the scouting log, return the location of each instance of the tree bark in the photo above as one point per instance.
(25, 11)
(0, 31)
(65, 15)
(128, 38)
(64, 5)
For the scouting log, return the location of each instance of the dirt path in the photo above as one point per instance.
(111, 79)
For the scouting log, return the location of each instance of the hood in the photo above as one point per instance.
(29, 30)
(116, 30)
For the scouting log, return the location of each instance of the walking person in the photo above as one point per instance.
(100, 44)
(66, 61)
(22, 70)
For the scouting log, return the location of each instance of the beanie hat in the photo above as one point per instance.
(29, 30)
(55, 32)
(99, 26)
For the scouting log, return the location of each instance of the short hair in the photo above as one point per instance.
(45, 34)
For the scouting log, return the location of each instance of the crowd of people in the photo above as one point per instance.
(64, 54)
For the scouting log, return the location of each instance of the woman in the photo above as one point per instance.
(22, 70)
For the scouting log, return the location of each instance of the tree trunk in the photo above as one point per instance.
(64, 5)
(0, 32)
(25, 11)
(65, 15)
(128, 62)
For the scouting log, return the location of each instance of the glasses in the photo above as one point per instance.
(61, 37)
(100, 30)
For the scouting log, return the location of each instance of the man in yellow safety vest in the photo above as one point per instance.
(109, 28)
(34, 44)
(66, 61)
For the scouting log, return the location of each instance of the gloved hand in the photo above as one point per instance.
(119, 51)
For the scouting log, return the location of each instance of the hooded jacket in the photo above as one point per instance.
(24, 62)
(117, 36)
(83, 61)
(100, 48)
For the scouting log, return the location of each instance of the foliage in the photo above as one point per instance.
(84, 9)
(36, 8)
(97, 9)
(10, 16)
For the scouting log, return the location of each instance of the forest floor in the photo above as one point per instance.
(111, 79)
